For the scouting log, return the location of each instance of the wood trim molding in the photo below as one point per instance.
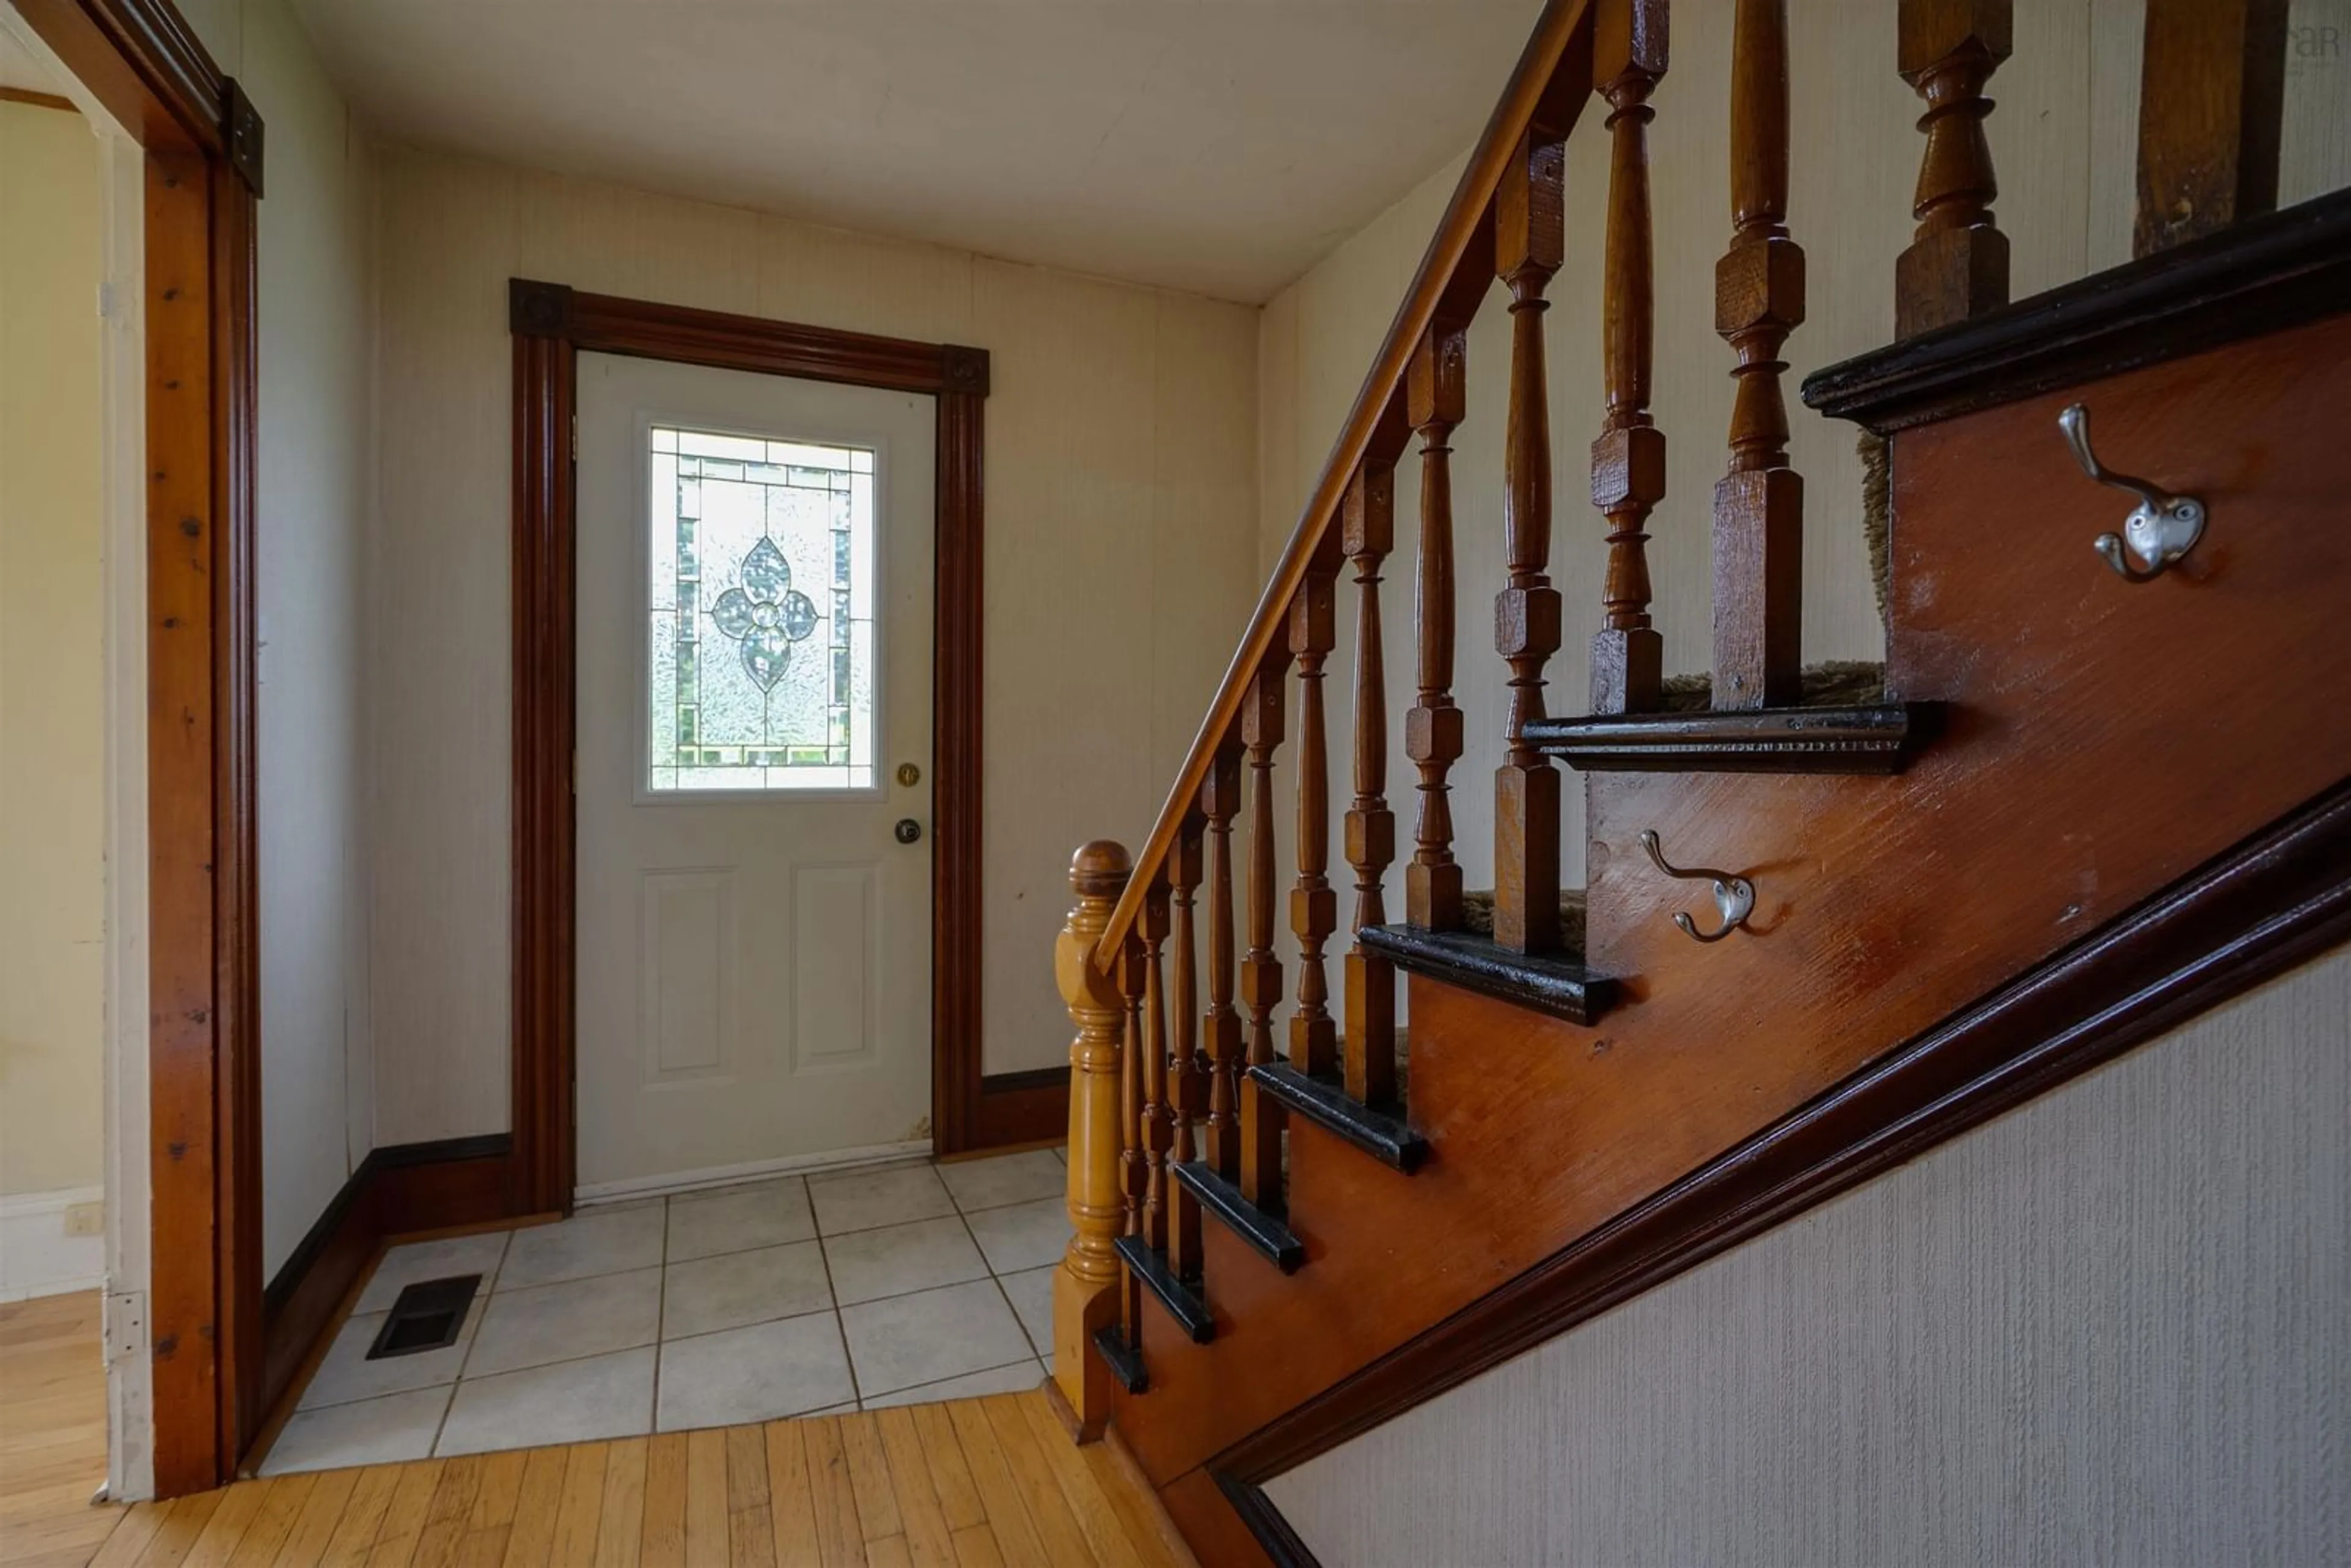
(142, 60)
(236, 855)
(246, 137)
(2276, 900)
(200, 304)
(552, 324)
(32, 100)
(2263, 275)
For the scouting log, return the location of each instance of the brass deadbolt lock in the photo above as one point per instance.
(909, 774)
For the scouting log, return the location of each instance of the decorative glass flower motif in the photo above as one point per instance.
(766, 614)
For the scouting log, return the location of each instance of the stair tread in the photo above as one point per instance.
(1182, 1302)
(1554, 983)
(1124, 1359)
(1381, 1131)
(1267, 1233)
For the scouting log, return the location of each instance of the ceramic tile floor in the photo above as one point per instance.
(890, 1285)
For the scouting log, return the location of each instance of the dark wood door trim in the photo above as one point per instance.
(2278, 900)
(552, 326)
(202, 141)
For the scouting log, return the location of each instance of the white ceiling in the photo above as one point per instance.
(1221, 146)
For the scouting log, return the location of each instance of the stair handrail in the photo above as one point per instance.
(1450, 279)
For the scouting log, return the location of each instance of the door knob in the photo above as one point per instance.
(908, 830)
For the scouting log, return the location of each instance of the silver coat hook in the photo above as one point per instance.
(2160, 530)
(1733, 895)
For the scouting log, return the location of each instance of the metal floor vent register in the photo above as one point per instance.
(427, 1316)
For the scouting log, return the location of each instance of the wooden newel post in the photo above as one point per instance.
(1085, 1291)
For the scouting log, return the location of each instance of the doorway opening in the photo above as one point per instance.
(754, 632)
(555, 328)
(185, 1329)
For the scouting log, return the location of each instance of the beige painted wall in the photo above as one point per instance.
(52, 670)
(1120, 565)
(315, 489)
(2107, 1328)
(2063, 138)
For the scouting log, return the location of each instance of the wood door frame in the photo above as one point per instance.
(553, 325)
(202, 143)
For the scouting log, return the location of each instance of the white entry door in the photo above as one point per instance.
(755, 754)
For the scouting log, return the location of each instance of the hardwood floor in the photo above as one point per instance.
(52, 1431)
(972, 1483)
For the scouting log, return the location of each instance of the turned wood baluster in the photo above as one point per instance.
(1530, 239)
(1435, 404)
(1157, 1114)
(1367, 532)
(1188, 1090)
(1313, 907)
(1220, 1031)
(1957, 266)
(1085, 1297)
(1131, 1167)
(1758, 298)
(2211, 103)
(1260, 1177)
(1628, 460)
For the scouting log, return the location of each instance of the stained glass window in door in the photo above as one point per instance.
(760, 614)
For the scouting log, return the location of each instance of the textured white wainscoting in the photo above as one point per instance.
(2107, 1328)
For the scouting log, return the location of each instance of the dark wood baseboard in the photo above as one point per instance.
(1030, 1107)
(2278, 899)
(396, 1189)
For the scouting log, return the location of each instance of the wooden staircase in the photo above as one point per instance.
(1833, 916)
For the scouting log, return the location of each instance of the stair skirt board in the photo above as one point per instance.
(1383, 1134)
(1555, 984)
(1265, 1233)
(1182, 1301)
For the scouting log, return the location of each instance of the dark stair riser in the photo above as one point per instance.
(1384, 1135)
(1265, 1233)
(1182, 1302)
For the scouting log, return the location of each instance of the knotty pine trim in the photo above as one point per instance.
(201, 138)
(142, 60)
(553, 324)
(2278, 899)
